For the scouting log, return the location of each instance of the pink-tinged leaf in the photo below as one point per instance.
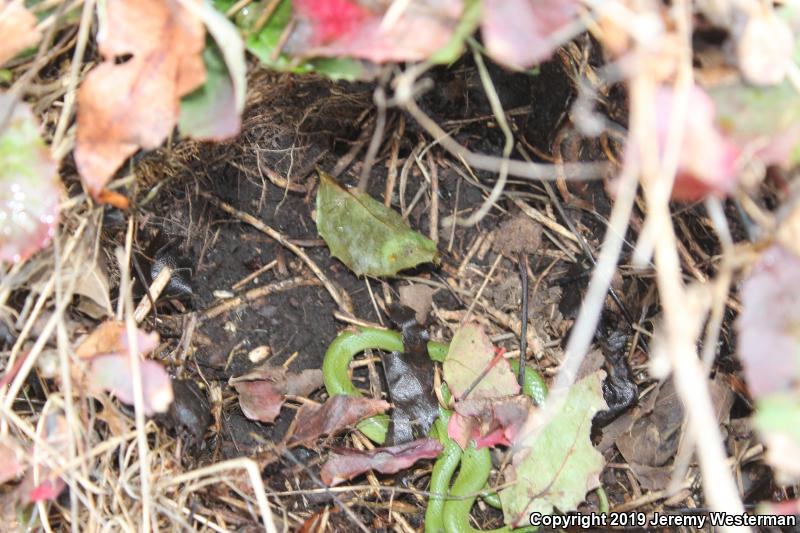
(114, 374)
(337, 413)
(18, 28)
(490, 422)
(762, 121)
(210, 113)
(107, 353)
(707, 164)
(522, 33)
(29, 186)
(471, 353)
(346, 28)
(769, 325)
(12, 460)
(263, 390)
(57, 437)
(346, 464)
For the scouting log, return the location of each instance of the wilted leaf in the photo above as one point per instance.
(418, 297)
(12, 460)
(366, 236)
(346, 464)
(18, 28)
(707, 163)
(490, 422)
(556, 465)
(777, 419)
(56, 435)
(263, 390)
(768, 331)
(520, 33)
(29, 187)
(209, 112)
(114, 374)
(470, 353)
(337, 413)
(133, 104)
(761, 120)
(346, 28)
(107, 352)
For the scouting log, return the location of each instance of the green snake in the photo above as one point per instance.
(449, 506)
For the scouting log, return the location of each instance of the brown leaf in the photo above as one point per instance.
(136, 103)
(346, 463)
(418, 297)
(263, 390)
(18, 28)
(337, 413)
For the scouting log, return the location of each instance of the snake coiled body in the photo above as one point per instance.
(449, 506)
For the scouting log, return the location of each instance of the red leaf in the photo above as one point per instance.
(334, 28)
(346, 463)
(337, 413)
(490, 422)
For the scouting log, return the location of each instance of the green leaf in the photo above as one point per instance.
(263, 44)
(470, 353)
(209, 112)
(369, 238)
(557, 465)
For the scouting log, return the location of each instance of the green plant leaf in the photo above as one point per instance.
(470, 19)
(556, 465)
(366, 236)
(209, 112)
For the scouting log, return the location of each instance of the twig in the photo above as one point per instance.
(254, 294)
(497, 109)
(523, 337)
(377, 136)
(575, 171)
(341, 298)
(155, 290)
(124, 258)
